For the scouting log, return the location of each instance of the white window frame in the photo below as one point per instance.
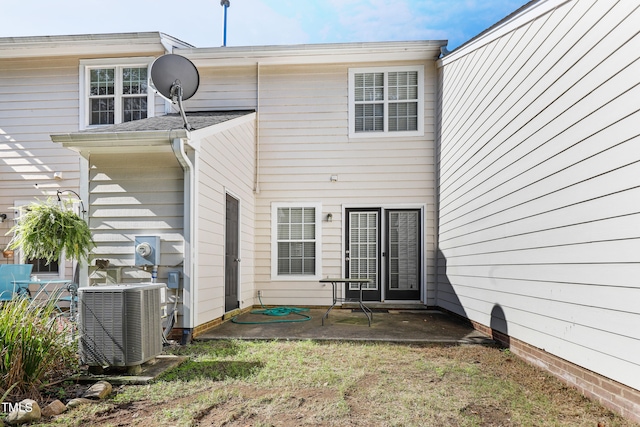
(386, 133)
(274, 241)
(118, 63)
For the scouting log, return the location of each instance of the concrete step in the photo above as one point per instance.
(389, 305)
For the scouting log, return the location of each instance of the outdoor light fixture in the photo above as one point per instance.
(329, 217)
(3, 217)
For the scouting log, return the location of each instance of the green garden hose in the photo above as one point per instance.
(276, 312)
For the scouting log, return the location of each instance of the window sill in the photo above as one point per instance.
(388, 135)
(296, 278)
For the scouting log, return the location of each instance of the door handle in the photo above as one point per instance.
(347, 259)
(237, 260)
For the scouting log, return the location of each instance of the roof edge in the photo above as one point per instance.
(84, 44)
(314, 53)
(532, 10)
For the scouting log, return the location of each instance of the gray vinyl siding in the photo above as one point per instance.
(539, 184)
(303, 128)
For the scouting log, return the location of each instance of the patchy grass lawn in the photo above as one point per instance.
(298, 383)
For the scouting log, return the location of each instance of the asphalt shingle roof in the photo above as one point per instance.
(199, 120)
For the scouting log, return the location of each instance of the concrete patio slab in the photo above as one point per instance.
(393, 325)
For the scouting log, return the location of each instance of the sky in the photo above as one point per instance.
(260, 22)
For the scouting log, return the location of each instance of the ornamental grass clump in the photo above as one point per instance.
(47, 230)
(35, 346)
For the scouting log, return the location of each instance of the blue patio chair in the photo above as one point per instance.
(9, 273)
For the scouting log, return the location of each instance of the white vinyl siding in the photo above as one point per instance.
(296, 247)
(136, 195)
(225, 88)
(386, 101)
(37, 97)
(539, 184)
(225, 164)
(304, 141)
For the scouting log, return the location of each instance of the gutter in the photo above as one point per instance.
(314, 53)
(190, 265)
(134, 43)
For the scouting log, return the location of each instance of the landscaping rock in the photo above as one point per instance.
(26, 411)
(54, 408)
(98, 391)
(78, 401)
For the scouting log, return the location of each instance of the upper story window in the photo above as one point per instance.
(386, 101)
(115, 92)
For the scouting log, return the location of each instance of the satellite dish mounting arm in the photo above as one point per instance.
(176, 79)
(176, 96)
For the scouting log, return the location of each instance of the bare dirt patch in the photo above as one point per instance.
(345, 384)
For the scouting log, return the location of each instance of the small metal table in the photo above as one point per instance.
(42, 283)
(335, 284)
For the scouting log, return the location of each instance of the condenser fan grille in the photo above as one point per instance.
(120, 325)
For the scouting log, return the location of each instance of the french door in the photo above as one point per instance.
(384, 245)
(362, 258)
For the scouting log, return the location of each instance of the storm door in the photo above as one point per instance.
(403, 248)
(232, 254)
(362, 260)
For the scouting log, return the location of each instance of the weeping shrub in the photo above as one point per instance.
(35, 345)
(48, 229)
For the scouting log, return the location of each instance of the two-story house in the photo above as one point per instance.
(300, 158)
(497, 181)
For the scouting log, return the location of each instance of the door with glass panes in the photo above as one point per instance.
(384, 245)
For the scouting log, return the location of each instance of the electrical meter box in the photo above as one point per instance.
(173, 279)
(147, 250)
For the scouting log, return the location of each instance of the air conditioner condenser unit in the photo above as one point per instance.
(119, 325)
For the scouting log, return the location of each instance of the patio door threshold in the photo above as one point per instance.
(389, 305)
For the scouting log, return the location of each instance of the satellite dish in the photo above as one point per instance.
(175, 78)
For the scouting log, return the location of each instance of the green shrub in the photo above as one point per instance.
(47, 230)
(35, 345)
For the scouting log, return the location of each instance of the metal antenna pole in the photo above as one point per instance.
(225, 4)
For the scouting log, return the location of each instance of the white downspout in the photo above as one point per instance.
(256, 187)
(190, 267)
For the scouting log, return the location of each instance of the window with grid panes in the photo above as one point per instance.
(296, 241)
(117, 94)
(386, 101)
(41, 266)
